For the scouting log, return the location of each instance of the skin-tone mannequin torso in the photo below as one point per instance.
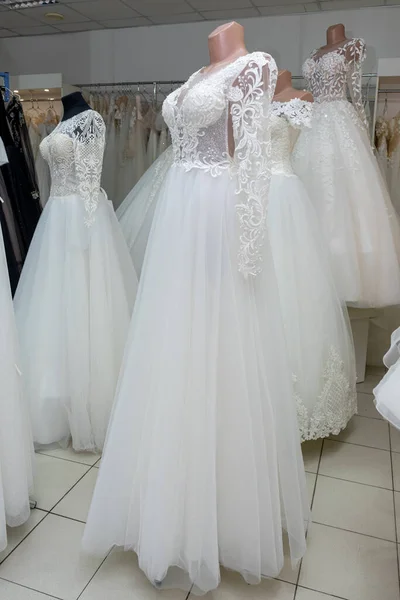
(225, 44)
(73, 104)
(284, 90)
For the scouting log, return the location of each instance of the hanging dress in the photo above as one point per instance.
(335, 161)
(74, 299)
(202, 465)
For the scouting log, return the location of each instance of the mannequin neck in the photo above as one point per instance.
(73, 104)
(226, 43)
(284, 82)
(335, 34)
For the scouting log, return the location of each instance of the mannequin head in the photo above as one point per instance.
(226, 42)
(284, 91)
(73, 104)
(335, 34)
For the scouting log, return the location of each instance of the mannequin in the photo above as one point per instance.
(73, 104)
(335, 38)
(284, 90)
(225, 44)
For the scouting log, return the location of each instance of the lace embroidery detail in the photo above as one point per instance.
(251, 97)
(298, 112)
(197, 115)
(74, 151)
(335, 406)
(327, 76)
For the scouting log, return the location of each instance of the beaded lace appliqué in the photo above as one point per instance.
(335, 405)
(198, 115)
(296, 111)
(74, 152)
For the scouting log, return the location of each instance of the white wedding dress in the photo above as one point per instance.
(317, 329)
(387, 397)
(343, 179)
(16, 448)
(202, 464)
(75, 296)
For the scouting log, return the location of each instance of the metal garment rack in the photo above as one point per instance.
(155, 85)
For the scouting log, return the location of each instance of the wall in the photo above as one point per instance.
(172, 52)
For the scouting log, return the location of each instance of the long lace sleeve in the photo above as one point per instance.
(250, 96)
(89, 151)
(356, 55)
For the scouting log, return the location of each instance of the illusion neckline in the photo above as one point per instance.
(316, 59)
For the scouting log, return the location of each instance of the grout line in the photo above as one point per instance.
(322, 593)
(24, 538)
(69, 460)
(375, 537)
(70, 489)
(360, 445)
(69, 518)
(394, 508)
(94, 574)
(32, 589)
(379, 487)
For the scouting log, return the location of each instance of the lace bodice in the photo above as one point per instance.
(288, 118)
(219, 121)
(329, 74)
(74, 151)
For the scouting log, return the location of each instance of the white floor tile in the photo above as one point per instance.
(233, 587)
(357, 463)
(50, 559)
(366, 432)
(349, 565)
(86, 458)
(396, 471)
(11, 591)
(397, 503)
(54, 478)
(395, 439)
(119, 578)
(356, 507)
(303, 594)
(366, 406)
(76, 503)
(15, 535)
(371, 380)
(311, 453)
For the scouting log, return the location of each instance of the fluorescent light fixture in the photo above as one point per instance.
(46, 90)
(12, 5)
(16, 91)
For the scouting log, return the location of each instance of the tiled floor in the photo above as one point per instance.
(354, 485)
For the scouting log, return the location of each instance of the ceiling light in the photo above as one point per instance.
(13, 5)
(53, 16)
(46, 90)
(16, 91)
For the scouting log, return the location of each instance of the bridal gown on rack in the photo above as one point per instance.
(16, 448)
(343, 179)
(74, 299)
(202, 464)
(316, 325)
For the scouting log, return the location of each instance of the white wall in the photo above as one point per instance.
(174, 51)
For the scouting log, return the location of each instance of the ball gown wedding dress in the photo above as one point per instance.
(202, 464)
(75, 296)
(16, 447)
(343, 179)
(317, 328)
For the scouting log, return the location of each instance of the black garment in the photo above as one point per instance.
(20, 183)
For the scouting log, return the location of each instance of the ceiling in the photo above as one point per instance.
(88, 15)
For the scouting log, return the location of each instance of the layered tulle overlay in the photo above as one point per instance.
(317, 328)
(387, 398)
(73, 307)
(335, 161)
(202, 463)
(16, 448)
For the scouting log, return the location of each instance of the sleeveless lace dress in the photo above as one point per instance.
(202, 465)
(75, 296)
(16, 448)
(343, 179)
(316, 325)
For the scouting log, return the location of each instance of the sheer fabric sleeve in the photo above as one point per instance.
(298, 112)
(89, 151)
(356, 56)
(250, 97)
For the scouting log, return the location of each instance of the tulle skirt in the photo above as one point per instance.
(136, 212)
(343, 179)
(387, 397)
(202, 463)
(73, 306)
(16, 448)
(316, 324)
